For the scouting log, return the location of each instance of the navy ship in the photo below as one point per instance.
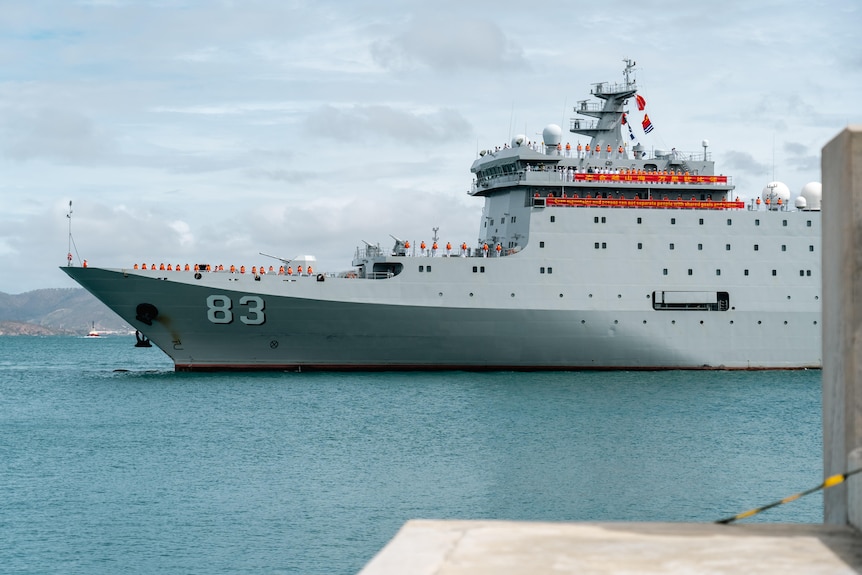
(592, 254)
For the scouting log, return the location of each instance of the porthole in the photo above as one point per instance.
(759, 322)
(561, 295)
(644, 322)
(701, 322)
(673, 322)
(471, 294)
(583, 321)
(440, 294)
(511, 295)
(619, 296)
(616, 321)
(591, 295)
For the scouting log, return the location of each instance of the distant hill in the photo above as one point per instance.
(56, 311)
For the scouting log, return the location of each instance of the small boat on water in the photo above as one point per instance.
(93, 332)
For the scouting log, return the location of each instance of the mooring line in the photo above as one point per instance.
(831, 481)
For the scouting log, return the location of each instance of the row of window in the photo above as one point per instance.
(502, 221)
(604, 246)
(603, 220)
(802, 273)
(550, 270)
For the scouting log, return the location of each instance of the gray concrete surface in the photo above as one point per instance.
(426, 547)
(842, 314)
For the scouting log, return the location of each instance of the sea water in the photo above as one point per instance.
(112, 463)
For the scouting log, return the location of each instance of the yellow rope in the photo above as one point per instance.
(831, 481)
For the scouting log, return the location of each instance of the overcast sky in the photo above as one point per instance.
(209, 131)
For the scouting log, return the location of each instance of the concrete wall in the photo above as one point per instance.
(842, 322)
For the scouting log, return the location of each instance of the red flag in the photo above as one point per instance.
(640, 101)
(624, 119)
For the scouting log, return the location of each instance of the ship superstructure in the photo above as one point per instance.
(596, 255)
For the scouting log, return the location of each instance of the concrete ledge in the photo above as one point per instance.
(428, 547)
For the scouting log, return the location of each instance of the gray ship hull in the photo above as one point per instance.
(302, 332)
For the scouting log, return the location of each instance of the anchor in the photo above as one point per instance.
(142, 340)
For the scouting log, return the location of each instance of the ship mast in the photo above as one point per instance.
(607, 130)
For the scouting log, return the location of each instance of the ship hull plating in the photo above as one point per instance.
(302, 332)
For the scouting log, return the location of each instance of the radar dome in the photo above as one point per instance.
(552, 135)
(813, 194)
(775, 190)
(519, 141)
(801, 203)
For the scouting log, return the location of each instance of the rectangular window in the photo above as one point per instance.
(774, 272)
(481, 269)
(604, 220)
(553, 219)
(700, 247)
(701, 221)
(513, 219)
(671, 246)
(475, 269)
(604, 245)
(783, 247)
(745, 272)
(640, 246)
(756, 247)
(596, 220)
(664, 272)
(729, 222)
(640, 221)
(541, 244)
(808, 223)
(597, 245)
(690, 271)
(428, 269)
(727, 247)
(810, 248)
(784, 223)
(541, 270)
(421, 268)
(802, 273)
(672, 221)
(718, 272)
(808, 272)
(550, 270)
(756, 222)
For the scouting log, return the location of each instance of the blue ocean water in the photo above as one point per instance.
(149, 471)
